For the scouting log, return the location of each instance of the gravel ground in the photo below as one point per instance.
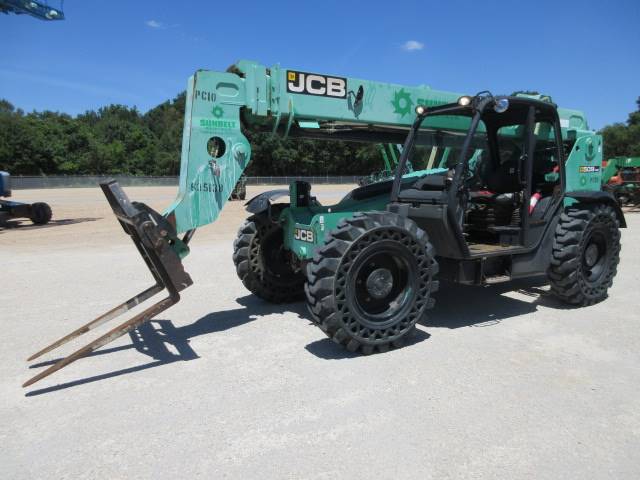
(500, 382)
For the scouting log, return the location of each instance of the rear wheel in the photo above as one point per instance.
(586, 253)
(262, 263)
(40, 213)
(372, 281)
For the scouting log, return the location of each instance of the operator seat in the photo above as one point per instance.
(493, 205)
(505, 178)
(502, 179)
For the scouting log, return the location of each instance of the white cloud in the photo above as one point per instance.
(153, 24)
(411, 45)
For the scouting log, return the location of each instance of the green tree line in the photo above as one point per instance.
(623, 139)
(121, 140)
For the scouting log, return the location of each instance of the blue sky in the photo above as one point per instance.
(585, 54)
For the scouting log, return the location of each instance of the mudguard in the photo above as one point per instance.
(597, 196)
(261, 202)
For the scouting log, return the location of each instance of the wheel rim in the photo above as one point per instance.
(381, 284)
(594, 257)
(274, 255)
(269, 260)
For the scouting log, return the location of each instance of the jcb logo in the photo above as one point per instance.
(303, 235)
(314, 84)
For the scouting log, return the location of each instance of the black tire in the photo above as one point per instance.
(371, 281)
(262, 263)
(586, 253)
(40, 213)
(243, 195)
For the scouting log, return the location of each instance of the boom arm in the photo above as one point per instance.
(215, 151)
(219, 104)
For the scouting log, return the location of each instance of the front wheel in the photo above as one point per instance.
(586, 253)
(372, 281)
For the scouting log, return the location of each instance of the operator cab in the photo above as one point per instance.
(498, 185)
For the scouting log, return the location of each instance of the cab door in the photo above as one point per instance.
(543, 173)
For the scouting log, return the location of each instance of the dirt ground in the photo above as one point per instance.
(501, 382)
(87, 218)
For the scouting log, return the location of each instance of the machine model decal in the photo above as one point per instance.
(303, 235)
(204, 95)
(589, 169)
(315, 84)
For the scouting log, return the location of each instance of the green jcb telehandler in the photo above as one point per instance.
(502, 187)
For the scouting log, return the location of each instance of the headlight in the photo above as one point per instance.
(464, 100)
(501, 105)
(421, 110)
